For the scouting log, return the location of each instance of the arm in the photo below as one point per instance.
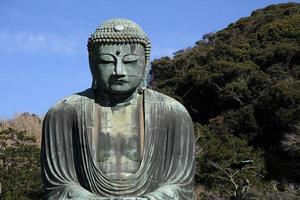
(178, 182)
(57, 158)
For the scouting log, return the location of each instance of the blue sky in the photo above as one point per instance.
(43, 55)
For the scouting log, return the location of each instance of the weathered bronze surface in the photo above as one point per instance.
(118, 140)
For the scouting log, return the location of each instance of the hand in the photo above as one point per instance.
(118, 198)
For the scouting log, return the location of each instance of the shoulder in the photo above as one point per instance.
(71, 103)
(166, 101)
(172, 111)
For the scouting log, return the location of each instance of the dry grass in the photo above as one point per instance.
(199, 189)
(30, 123)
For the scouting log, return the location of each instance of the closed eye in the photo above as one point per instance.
(130, 58)
(106, 58)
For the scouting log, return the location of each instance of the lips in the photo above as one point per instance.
(120, 81)
(114, 80)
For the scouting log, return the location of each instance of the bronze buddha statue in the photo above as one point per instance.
(117, 139)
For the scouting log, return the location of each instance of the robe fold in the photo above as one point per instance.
(167, 168)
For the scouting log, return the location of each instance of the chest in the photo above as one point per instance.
(118, 133)
(117, 142)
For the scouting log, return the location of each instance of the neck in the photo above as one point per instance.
(105, 98)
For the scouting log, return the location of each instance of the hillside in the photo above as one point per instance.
(241, 86)
(20, 171)
(29, 123)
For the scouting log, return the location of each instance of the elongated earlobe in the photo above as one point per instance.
(94, 84)
(144, 82)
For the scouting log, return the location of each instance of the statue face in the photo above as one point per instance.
(119, 68)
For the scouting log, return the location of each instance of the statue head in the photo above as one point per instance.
(119, 53)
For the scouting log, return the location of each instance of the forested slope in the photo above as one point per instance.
(241, 86)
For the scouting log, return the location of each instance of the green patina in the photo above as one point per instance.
(118, 140)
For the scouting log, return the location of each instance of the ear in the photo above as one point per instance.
(92, 62)
(144, 82)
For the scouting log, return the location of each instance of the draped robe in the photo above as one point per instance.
(167, 167)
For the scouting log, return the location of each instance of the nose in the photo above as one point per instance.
(120, 69)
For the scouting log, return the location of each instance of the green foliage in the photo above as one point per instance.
(19, 166)
(278, 110)
(278, 116)
(242, 85)
(216, 155)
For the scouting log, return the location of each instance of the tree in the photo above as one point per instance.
(242, 84)
(20, 167)
(223, 163)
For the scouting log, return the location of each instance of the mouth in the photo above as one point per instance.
(120, 82)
